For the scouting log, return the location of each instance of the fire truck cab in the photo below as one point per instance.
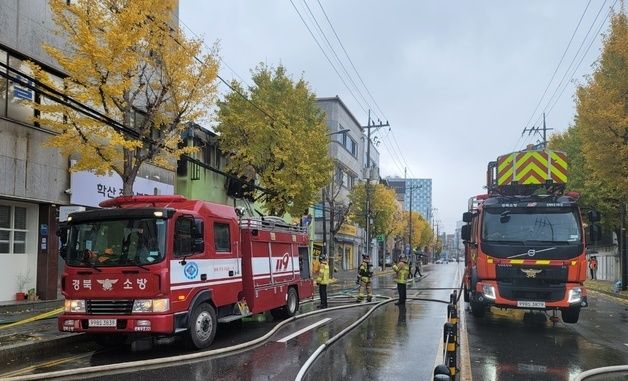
(164, 265)
(524, 240)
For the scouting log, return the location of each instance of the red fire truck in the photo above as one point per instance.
(164, 265)
(524, 241)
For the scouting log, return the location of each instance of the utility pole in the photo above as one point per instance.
(368, 127)
(537, 130)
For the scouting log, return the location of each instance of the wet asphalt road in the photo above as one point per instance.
(506, 346)
(392, 344)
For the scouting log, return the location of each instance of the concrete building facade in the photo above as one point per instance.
(348, 152)
(35, 182)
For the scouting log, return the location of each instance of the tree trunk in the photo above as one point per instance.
(129, 174)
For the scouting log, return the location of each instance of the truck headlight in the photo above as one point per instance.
(575, 295)
(489, 291)
(77, 305)
(151, 305)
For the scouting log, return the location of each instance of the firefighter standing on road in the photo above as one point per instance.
(323, 280)
(365, 273)
(402, 271)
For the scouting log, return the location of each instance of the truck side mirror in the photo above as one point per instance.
(183, 237)
(465, 233)
(62, 233)
(595, 233)
(467, 217)
(594, 215)
(198, 243)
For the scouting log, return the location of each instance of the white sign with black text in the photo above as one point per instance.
(89, 189)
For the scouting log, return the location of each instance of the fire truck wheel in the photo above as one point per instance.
(570, 315)
(477, 309)
(109, 341)
(291, 307)
(202, 326)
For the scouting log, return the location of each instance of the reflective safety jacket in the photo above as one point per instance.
(402, 271)
(365, 273)
(323, 274)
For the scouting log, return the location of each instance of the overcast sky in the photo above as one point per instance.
(458, 81)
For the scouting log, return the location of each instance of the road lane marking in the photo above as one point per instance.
(465, 353)
(47, 364)
(299, 332)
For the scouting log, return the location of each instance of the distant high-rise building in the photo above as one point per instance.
(419, 189)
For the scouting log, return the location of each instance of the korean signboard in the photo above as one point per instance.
(89, 189)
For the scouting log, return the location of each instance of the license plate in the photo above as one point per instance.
(102, 322)
(526, 304)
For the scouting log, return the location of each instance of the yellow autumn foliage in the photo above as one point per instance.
(285, 152)
(129, 60)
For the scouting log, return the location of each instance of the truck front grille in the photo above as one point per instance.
(109, 307)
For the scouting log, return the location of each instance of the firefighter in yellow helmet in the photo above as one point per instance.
(402, 271)
(365, 273)
(322, 280)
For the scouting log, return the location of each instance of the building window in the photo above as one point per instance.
(222, 241)
(19, 94)
(13, 230)
(348, 143)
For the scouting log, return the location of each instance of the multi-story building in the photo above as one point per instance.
(348, 152)
(418, 196)
(35, 182)
(417, 192)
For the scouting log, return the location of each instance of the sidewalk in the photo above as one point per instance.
(605, 287)
(32, 338)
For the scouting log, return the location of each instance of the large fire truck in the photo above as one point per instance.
(524, 241)
(164, 265)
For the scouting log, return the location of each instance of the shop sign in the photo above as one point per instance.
(89, 189)
(347, 229)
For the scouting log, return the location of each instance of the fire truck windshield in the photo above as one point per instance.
(521, 225)
(117, 242)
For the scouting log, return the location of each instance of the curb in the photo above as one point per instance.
(31, 306)
(40, 347)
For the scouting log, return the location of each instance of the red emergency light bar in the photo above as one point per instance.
(482, 197)
(124, 200)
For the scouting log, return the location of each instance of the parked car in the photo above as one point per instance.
(438, 262)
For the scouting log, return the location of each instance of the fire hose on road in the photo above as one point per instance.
(175, 360)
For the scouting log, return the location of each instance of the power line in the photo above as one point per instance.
(560, 83)
(583, 56)
(350, 60)
(327, 57)
(559, 63)
(333, 51)
(572, 60)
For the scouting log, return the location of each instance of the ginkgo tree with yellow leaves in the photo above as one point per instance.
(129, 60)
(597, 142)
(384, 208)
(274, 133)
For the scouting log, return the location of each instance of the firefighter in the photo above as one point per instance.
(323, 280)
(365, 273)
(402, 271)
